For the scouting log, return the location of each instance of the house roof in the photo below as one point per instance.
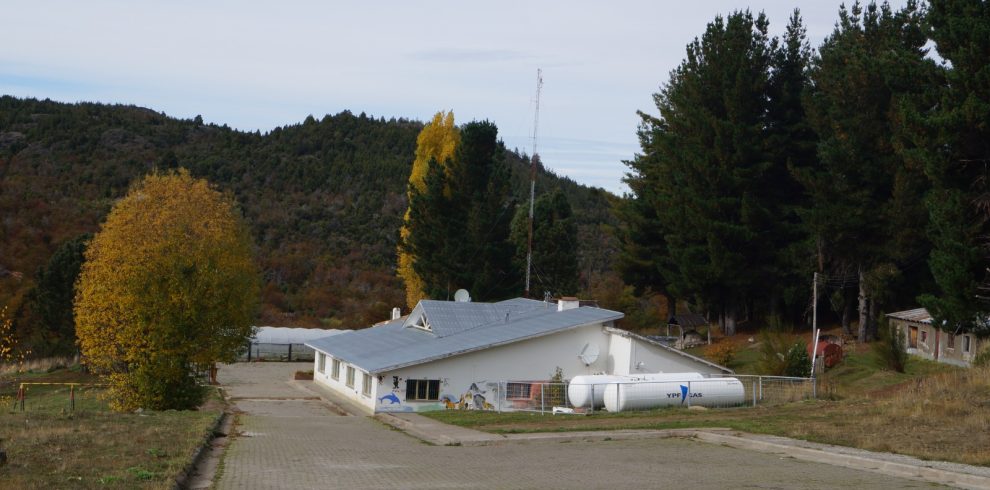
(917, 315)
(689, 320)
(457, 328)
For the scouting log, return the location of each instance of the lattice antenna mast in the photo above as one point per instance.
(532, 179)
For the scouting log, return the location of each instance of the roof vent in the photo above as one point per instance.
(568, 303)
(396, 313)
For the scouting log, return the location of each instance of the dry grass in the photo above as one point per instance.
(37, 365)
(51, 447)
(940, 416)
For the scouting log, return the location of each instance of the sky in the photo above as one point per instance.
(257, 65)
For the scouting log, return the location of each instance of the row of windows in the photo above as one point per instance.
(416, 389)
(321, 366)
(914, 335)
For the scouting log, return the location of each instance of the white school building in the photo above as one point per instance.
(454, 354)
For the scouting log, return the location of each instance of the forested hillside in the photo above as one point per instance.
(324, 198)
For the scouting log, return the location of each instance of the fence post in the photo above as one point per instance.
(760, 378)
(290, 352)
(591, 405)
(21, 393)
(754, 391)
(543, 392)
(72, 398)
(814, 388)
(249, 351)
(688, 395)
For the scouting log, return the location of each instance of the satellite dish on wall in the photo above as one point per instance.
(589, 354)
(462, 296)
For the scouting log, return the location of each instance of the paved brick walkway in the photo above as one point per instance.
(299, 443)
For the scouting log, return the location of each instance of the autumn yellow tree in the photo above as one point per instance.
(10, 353)
(169, 286)
(437, 141)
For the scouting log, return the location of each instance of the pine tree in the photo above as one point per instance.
(50, 301)
(555, 260)
(952, 142)
(459, 223)
(861, 215)
(706, 161)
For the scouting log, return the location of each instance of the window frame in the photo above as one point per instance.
(335, 369)
(321, 363)
(366, 384)
(422, 390)
(350, 376)
(966, 344)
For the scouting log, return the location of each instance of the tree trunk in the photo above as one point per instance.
(671, 305)
(730, 322)
(863, 313)
(847, 311)
(871, 322)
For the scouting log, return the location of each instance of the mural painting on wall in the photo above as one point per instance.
(473, 399)
(391, 402)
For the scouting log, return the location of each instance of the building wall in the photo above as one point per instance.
(649, 358)
(930, 343)
(472, 379)
(339, 385)
(619, 354)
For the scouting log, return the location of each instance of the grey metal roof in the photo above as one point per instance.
(918, 315)
(458, 328)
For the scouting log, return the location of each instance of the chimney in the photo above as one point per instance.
(396, 313)
(568, 303)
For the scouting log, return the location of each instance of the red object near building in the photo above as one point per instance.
(831, 354)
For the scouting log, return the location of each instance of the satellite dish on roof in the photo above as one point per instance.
(589, 354)
(462, 296)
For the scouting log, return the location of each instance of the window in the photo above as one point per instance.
(422, 389)
(924, 336)
(321, 363)
(950, 341)
(966, 343)
(518, 390)
(366, 384)
(350, 376)
(335, 370)
(913, 337)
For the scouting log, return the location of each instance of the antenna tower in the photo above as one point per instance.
(532, 179)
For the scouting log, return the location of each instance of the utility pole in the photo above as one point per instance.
(532, 179)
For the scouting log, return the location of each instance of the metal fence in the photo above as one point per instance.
(278, 352)
(56, 397)
(711, 392)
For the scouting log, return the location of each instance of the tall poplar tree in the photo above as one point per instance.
(436, 142)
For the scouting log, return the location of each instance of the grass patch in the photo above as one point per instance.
(49, 446)
(931, 412)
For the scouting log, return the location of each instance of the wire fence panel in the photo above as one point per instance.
(278, 352)
(57, 397)
(709, 392)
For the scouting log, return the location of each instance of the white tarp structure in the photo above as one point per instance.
(285, 343)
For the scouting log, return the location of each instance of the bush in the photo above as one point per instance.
(798, 363)
(773, 346)
(721, 353)
(983, 358)
(889, 349)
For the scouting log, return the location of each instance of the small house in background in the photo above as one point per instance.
(687, 330)
(923, 339)
(458, 355)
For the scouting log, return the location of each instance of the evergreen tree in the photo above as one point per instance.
(555, 259)
(50, 302)
(706, 160)
(952, 143)
(862, 217)
(459, 224)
